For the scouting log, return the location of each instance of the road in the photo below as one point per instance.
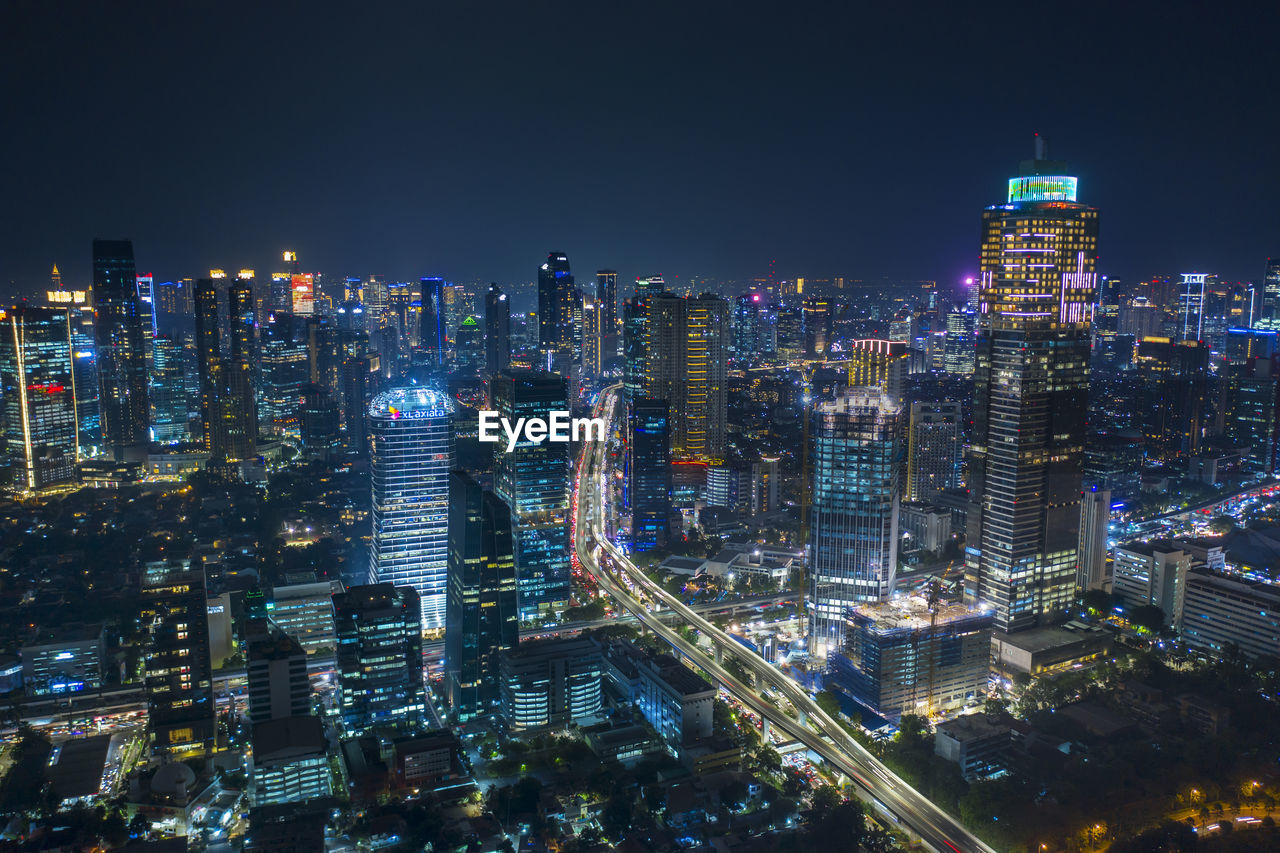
(821, 734)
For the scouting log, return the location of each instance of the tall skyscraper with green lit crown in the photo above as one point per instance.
(1031, 386)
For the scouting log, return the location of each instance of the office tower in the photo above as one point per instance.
(1172, 397)
(752, 328)
(304, 611)
(482, 619)
(63, 658)
(283, 374)
(875, 363)
(241, 363)
(121, 350)
(1095, 521)
(555, 313)
(324, 353)
(210, 365)
(534, 481)
(1215, 609)
(1194, 296)
(319, 423)
(853, 527)
(606, 297)
(146, 304)
(302, 288)
(687, 346)
(412, 432)
(933, 449)
(1253, 395)
(789, 331)
(167, 389)
(179, 674)
(592, 338)
(277, 675)
(1031, 384)
(909, 655)
(649, 486)
(291, 765)
(497, 330)
(817, 314)
(354, 392)
(551, 682)
(635, 321)
(1270, 312)
(38, 396)
(958, 349)
(379, 659)
(433, 340)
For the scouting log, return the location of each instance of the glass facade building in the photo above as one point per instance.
(482, 614)
(649, 489)
(121, 351)
(379, 659)
(412, 434)
(1036, 294)
(853, 531)
(38, 396)
(533, 479)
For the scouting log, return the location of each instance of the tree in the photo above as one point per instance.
(1097, 601)
(829, 703)
(825, 798)
(1148, 617)
(733, 794)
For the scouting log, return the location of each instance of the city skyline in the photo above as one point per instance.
(857, 138)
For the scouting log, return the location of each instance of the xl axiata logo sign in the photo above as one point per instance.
(560, 427)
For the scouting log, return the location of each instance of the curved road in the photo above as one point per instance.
(823, 735)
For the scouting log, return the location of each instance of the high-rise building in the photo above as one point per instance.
(1172, 398)
(958, 348)
(592, 338)
(278, 683)
(533, 479)
(379, 659)
(179, 674)
(606, 297)
(1095, 522)
(875, 363)
(1194, 297)
(1253, 395)
(853, 528)
(555, 313)
(933, 449)
(817, 313)
(497, 330)
(412, 431)
(167, 389)
(551, 682)
(1031, 384)
(38, 396)
(434, 339)
(649, 473)
(121, 349)
(482, 615)
(686, 362)
(242, 360)
(1270, 318)
(1150, 573)
(211, 367)
(284, 373)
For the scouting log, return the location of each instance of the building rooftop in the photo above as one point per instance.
(75, 766)
(414, 402)
(972, 727)
(912, 613)
(1052, 636)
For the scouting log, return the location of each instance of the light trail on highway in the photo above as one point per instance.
(826, 737)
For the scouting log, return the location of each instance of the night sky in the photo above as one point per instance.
(468, 139)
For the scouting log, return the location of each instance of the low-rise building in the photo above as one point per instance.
(978, 744)
(929, 526)
(1047, 650)
(428, 762)
(1149, 573)
(290, 760)
(1216, 610)
(64, 659)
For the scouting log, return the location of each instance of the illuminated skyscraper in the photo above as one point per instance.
(412, 431)
(606, 298)
(816, 311)
(168, 391)
(179, 672)
(1031, 382)
(434, 341)
(1253, 395)
(283, 373)
(853, 529)
(933, 449)
(555, 313)
(685, 364)
(482, 616)
(379, 659)
(241, 363)
(592, 337)
(958, 349)
(533, 479)
(497, 330)
(1172, 398)
(1270, 314)
(649, 480)
(38, 395)
(121, 350)
(879, 364)
(212, 369)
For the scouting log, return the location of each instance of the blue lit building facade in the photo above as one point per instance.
(379, 659)
(121, 351)
(38, 394)
(533, 479)
(649, 486)
(853, 532)
(412, 436)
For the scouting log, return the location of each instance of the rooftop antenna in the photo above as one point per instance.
(1042, 148)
